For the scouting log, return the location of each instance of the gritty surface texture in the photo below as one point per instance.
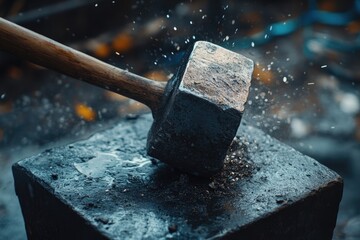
(107, 182)
(218, 75)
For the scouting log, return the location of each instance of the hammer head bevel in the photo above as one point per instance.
(201, 110)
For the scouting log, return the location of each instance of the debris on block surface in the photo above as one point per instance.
(106, 187)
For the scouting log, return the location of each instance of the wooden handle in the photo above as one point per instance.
(50, 54)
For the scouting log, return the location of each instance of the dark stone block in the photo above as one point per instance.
(107, 188)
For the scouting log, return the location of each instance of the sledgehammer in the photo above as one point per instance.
(196, 114)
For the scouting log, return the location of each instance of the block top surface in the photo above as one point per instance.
(218, 75)
(109, 177)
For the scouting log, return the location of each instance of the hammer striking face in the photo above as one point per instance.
(201, 110)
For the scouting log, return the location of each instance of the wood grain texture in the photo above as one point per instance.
(56, 56)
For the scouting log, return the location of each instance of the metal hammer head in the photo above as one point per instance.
(201, 110)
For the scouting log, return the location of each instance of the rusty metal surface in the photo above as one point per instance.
(106, 187)
(218, 75)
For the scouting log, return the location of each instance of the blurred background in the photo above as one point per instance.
(305, 88)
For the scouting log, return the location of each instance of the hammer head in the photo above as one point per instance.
(201, 110)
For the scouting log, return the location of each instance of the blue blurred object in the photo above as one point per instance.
(334, 50)
(311, 16)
